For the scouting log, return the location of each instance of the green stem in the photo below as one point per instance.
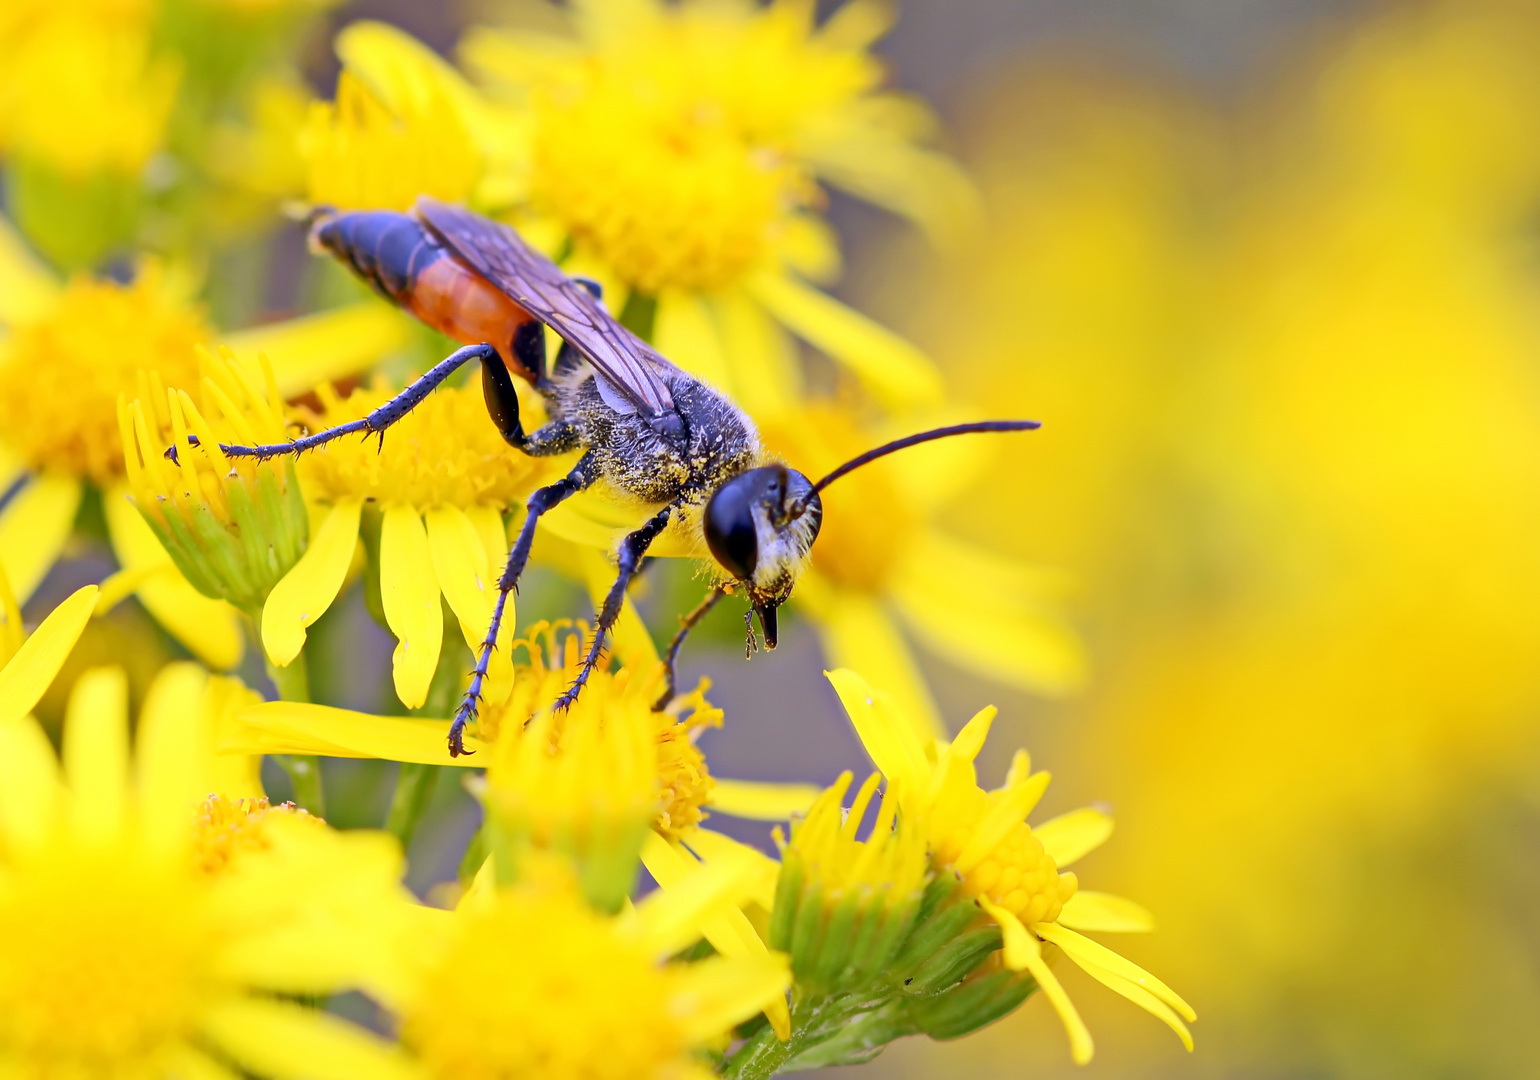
(414, 790)
(293, 684)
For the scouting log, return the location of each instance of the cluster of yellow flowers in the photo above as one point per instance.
(677, 154)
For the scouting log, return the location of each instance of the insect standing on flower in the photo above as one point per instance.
(651, 432)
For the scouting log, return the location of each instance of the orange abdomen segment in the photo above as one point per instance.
(457, 301)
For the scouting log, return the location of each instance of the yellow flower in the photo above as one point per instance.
(527, 981)
(81, 92)
(883, 565)
(675, 151)
(71, 351)
(442, 479)
(1011, 869)
(233, 528)
(228, 830)
(123, 957)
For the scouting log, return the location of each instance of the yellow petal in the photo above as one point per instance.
(27, 288)
(470, 585)
(1070, 836)
(292, 727)
(1023, 953)
(712, 996)
(858, 633)
(12, 631)
(173, 754)
(186, 1063)
(324, 347)
(1085, 952)
(633, 645)
(1003, 817)
(120, 586)
(896, 372)
(409, 591)
(893, 746)
(1142, 998)
(33, 529)
(308, 589)
(96, 752)
(30, 793)
(281, 1040)
(691, 895)
(686, 333)
(1088, 910)
(766, 372)
(710, 845)
(26, 678)
(970, 607)
(760, 800)
(211, 629)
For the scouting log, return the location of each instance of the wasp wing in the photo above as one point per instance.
(537, 285)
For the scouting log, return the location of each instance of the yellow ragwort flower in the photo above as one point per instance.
(884, 565)
(528, 981)
(1011, 869)
(69, 351)
(123, 956)
(442, 479)
(233, 527)
(673, 152)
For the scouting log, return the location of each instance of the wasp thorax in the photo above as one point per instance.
(760, 526)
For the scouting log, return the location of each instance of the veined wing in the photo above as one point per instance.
(537, 285)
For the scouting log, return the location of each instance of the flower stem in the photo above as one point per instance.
(293, 684)
(414, 789)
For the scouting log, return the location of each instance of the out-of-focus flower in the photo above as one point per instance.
(604, 995)
(883, 564)
(232, 527)
(123, 956)
(443, 478)
(1011, 869)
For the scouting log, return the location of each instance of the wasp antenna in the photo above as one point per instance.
(924, 437)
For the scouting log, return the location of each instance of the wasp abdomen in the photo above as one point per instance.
(409, 266)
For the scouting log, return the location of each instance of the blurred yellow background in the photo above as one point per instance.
(1285, 340)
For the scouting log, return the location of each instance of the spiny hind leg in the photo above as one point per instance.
(584, 473)
(632, 548)
(671, 658)
(378, 420)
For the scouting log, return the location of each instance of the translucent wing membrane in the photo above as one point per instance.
(538, 285)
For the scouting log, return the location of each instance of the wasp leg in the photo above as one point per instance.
(632, 548)
(378, 420)
(686, 624)
(502, 400)
(584, 473)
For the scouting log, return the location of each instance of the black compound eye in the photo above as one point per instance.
(730, 531)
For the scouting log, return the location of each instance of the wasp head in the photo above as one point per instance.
(760, 526)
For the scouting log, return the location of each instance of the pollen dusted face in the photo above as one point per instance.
(760, 526)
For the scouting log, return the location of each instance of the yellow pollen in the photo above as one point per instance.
(446, 452)
(60, 377)
(101, 964)
(541, 986)
(227, 830)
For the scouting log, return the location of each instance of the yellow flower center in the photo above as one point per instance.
(227, 830)
(671, 788)
(60, 377)
(868, 518)
(541, 986)
(1017, 874)
(446, 452)
(101, 964)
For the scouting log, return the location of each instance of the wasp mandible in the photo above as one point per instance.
(650, 429)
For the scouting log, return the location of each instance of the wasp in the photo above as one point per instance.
(647, 429)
